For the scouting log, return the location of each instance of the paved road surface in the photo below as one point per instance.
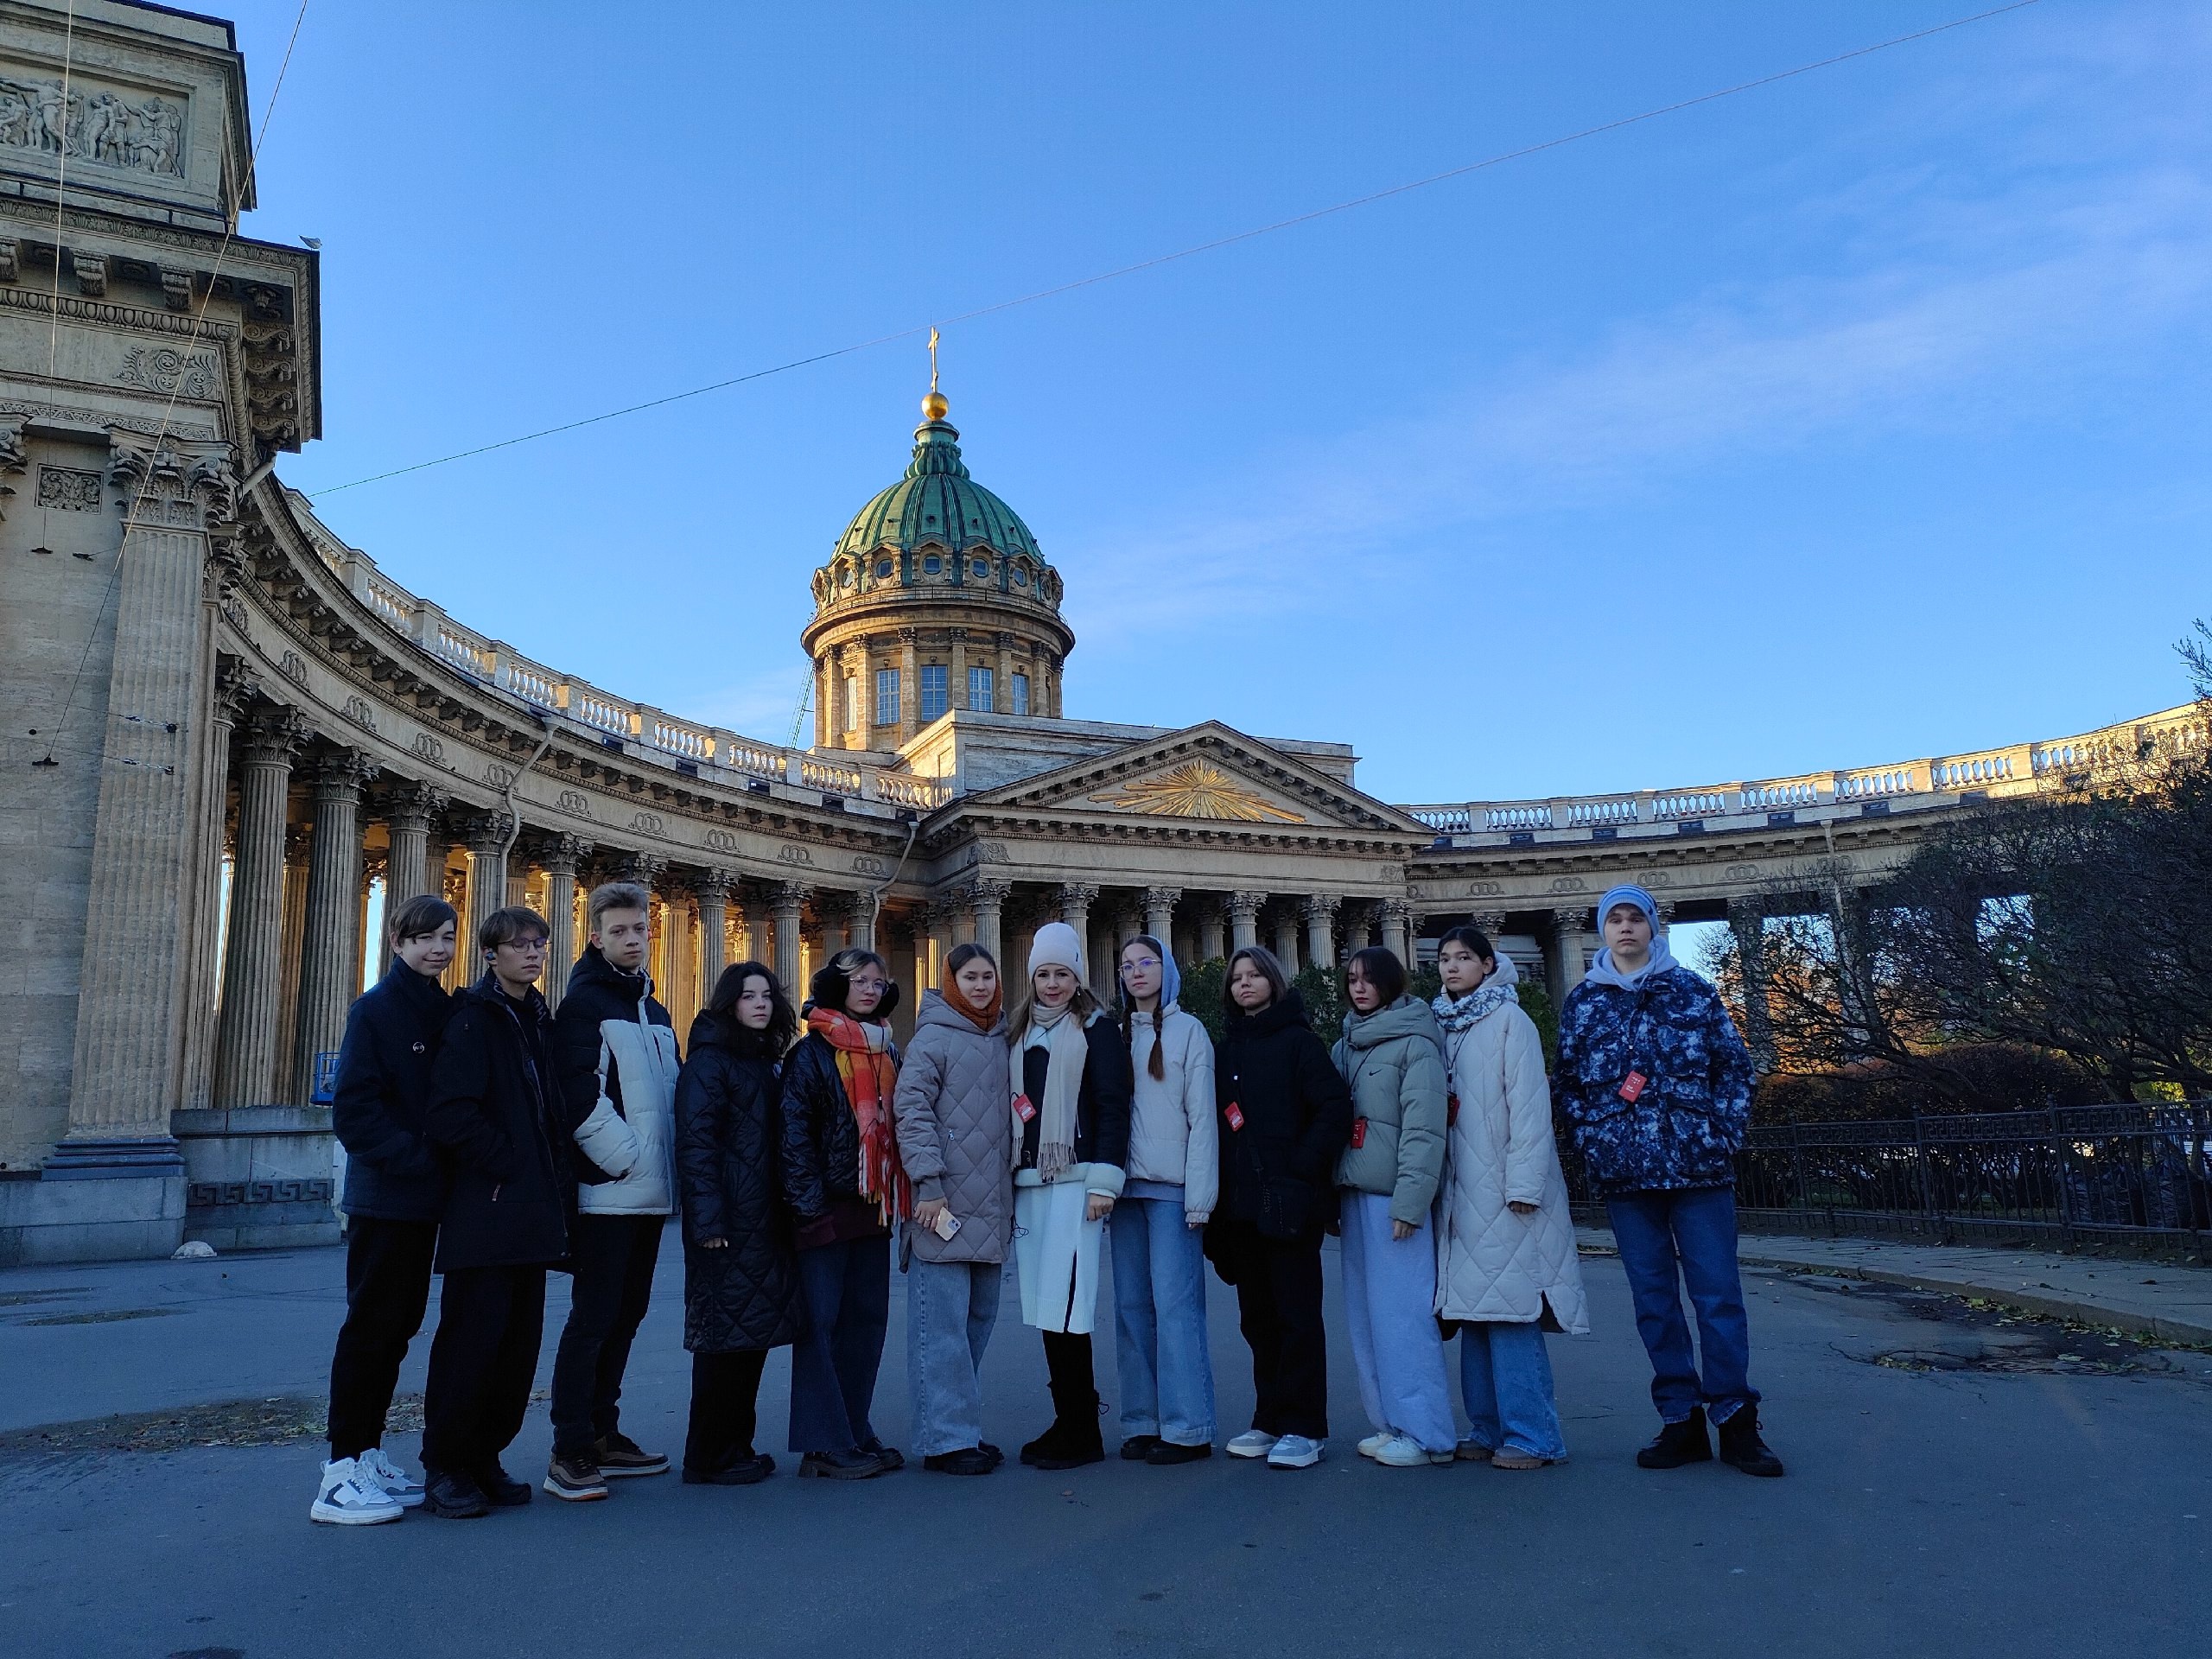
(1985, 1494)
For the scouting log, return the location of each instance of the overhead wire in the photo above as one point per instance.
(134, 523)
(1211, 246)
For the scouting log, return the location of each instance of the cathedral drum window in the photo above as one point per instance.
(983, 570)
(883, 569)
(933, 565)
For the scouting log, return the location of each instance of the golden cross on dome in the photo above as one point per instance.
(933, 360)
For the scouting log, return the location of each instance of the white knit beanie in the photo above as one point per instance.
(1057, 945)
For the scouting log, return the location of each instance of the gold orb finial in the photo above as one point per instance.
(934, 406)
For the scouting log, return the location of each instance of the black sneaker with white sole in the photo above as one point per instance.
(573, 1480)
(452, 1496)
(619, 1457)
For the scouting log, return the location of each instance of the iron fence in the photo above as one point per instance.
(2133, 1176)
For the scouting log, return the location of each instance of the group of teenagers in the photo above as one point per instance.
(490, 1140)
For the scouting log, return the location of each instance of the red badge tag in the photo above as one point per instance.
(1235, 1115)
(1022, 1108)
(1451, 1108)
(1358, 1133)
(1632, 1086)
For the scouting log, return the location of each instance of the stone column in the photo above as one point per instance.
(1244, 919)
(825, 712)
(955, 693)
(1160, 915)
(910, 689)
(409, 810)
(712, 888)
(1396, 915)
(745, 927)
(1002, 686)
(299, 853)
(1287, 940)
(1076, 899)
(484, 834)
(1747, 921)
(865, 908)
(245, 1065)
(330, 957)
(561, 857)
(126, 1077)
(832, 920)
(234, 690)
(1319, 910)
(785, 900)
(1211, 920)
(933, 944)
(987, 899)
(1570, 938)
(1492, 923)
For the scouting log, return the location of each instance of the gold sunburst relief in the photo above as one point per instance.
(1197, 789)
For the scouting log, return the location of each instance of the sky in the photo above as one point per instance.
(1849, 419)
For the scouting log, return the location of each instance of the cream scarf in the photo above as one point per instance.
(1067, 1049)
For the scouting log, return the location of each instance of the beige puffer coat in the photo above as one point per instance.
(1492, 1264)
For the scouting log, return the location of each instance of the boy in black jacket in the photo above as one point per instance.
(495, 1113)
(394, 1192)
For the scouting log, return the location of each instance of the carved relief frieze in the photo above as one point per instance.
(66, 489)
(293, 669)
(358, 711)
(793, 853)
(576, 802)
(429, 748)
(172, 372)
(720, 841)
(647, 822)
(498, 776)
(107, 126)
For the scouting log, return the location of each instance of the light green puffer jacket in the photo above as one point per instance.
(1392, 1061)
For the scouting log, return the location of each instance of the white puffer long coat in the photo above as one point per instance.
(1492, 1264)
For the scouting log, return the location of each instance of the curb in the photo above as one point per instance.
(2161, 1328)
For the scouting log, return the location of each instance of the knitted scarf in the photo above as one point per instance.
(1457, 1013)
(1067, 1049)
(869, 1074)
(984, 1019)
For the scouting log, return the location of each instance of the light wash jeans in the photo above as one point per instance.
(1159, 1323)
(1505, 1381)
(950, 1308)
(1390, 1304)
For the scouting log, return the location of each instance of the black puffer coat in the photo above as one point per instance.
(1103, 1105)
(383, 1096)
(497, 1124)
(728, 1142)
(1278, 1170)
(822, 1136)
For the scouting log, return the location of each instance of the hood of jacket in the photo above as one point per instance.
(936, 1010)
(1280, 1014)
(1602, 972)
(1407, 1017)
(594, 972)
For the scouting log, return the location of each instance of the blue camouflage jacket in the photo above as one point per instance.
(1686, 1125)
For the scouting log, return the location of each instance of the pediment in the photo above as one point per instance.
(1202, 774)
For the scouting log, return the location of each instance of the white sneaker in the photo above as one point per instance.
(1373, 1445)
(1294, 1451)
(1403, 1451)
(1252, 1443)
(349, 1497)
(398, 1486)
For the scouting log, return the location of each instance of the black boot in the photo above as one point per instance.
(1678, 1444)
(1742, 1448)
(1074, 1438)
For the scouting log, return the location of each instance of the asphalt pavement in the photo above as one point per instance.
(1960, 1478)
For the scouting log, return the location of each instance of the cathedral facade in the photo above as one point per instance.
(226, 731)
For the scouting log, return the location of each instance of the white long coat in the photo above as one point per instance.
(1491, 1263)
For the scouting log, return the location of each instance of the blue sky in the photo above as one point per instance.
(1853, 418)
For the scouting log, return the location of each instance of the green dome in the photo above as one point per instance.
(937, 501)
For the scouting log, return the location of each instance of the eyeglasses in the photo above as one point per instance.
(1138, 964)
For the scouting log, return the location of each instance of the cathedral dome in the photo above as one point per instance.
(937, 501)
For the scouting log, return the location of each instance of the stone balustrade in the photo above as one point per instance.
(1926, 782)
(687, 746)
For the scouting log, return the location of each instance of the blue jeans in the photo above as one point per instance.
(1159, 1322)
(950, 1308)
(1390, 1312)
(1668, 1239)
(1505, 1381)
(846, 1289)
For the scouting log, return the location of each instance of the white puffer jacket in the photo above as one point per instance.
(636, 1145)
(1492, 1264)
(1171, 1133)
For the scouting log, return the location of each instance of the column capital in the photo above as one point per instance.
(1245, 906)
(644, 868)
(713, 885)
(1746, 910)
(959, 635)
(275, 736)
(1395, 909)
(487, 832)
(236, 689)
(560, 854)
(788, 898)
(1572, 919)
(1161, 898)
(988, 890)
(411, 805)
(1666, 912)
(1077, 894)
(1491, 922)
(339, 775)
(1319, 906)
